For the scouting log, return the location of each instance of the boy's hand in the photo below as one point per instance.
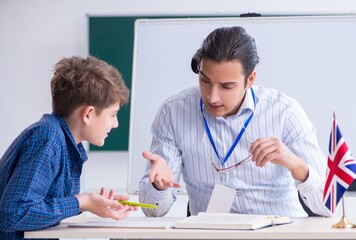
(103, 205)
(113, 196)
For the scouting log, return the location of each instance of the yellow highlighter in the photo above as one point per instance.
(136, 204)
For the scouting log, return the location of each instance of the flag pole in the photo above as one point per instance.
(343, 223)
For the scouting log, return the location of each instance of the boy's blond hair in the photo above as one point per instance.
(78, 81)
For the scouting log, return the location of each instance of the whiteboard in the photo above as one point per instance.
(312, 59)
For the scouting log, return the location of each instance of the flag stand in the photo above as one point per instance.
(343, 223)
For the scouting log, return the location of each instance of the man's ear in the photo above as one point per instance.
(87, 113)
(251, 79)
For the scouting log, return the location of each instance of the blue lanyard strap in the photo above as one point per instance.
(207, 129)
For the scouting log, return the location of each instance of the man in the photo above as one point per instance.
(255, 140)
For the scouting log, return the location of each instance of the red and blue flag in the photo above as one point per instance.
(341, 169)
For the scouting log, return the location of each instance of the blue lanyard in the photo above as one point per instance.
(238, 136)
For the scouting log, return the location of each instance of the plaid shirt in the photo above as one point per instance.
(39, 176)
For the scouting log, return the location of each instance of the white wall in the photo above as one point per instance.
(35, 34)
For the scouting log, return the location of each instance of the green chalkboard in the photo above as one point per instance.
(111, 38)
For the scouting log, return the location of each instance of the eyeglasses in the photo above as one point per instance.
(227, 169)
(223, 170)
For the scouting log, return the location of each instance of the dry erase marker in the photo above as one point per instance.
(136, 204)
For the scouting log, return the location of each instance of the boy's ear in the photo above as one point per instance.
(87, 114)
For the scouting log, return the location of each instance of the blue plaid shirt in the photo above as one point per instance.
(39, 176)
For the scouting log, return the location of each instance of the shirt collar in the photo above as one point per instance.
(79, 147)
(248, 105)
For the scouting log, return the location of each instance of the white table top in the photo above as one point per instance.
(301, 228)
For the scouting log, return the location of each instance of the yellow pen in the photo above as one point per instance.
(136, 204)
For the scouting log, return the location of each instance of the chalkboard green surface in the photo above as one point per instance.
(111, 39)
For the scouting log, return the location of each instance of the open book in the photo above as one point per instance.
(230, 221)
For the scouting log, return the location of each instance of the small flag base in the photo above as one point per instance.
(344, 223)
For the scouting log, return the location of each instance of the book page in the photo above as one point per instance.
(230, 221)
(244, 219)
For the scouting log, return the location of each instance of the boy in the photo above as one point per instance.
(40, 171)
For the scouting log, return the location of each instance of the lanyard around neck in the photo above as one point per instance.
(207, 129)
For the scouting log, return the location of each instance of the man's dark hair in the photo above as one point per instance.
(228, 44)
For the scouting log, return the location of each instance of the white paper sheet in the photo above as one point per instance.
(221, 199)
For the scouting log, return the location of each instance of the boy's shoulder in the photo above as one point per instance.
(48, 128)
(48, 124)
(46, 135)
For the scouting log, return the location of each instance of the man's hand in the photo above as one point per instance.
(272, 150)
(160, 175)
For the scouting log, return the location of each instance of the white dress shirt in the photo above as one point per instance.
(179, 136)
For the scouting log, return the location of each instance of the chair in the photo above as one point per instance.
(188, 211)
(306, 209)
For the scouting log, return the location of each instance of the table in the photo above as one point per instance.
(301, 228)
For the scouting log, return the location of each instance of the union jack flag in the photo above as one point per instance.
(341, 170)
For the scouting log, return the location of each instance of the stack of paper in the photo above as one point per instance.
(134, 222)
